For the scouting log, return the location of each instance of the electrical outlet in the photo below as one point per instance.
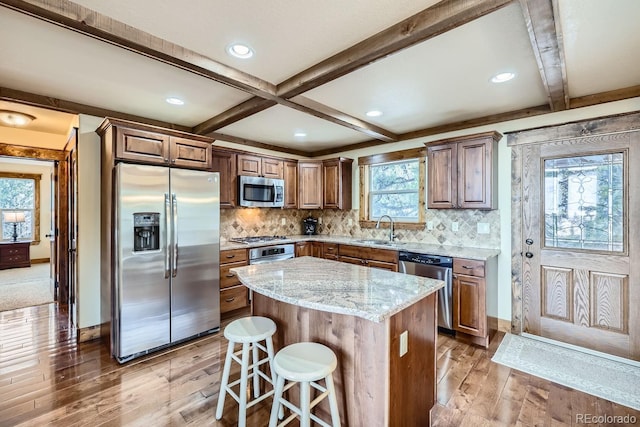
(283, 221)
(404, 343)
(320, 220)
(454, 226)
(483, 228)
(350, 222)
(429, 225)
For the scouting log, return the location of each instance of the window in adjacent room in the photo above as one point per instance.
(393, 184)
(20, 193)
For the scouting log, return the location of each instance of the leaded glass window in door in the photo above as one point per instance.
(584, 202)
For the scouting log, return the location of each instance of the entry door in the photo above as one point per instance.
(579, 222)
(53, 250)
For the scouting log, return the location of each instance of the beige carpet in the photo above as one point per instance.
(612, 380)
(24, 287)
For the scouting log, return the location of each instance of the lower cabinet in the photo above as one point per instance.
(330, 251)
(14, 254)
(470, 292)
(233, 294)
(369, 257)
(304, 249)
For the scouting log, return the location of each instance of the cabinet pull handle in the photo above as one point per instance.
(231, 275)
(230, 256)
(230, 299)
(467, 267)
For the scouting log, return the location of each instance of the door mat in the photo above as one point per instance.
(616, 381)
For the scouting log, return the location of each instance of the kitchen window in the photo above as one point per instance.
(20, 193)
(393, 184)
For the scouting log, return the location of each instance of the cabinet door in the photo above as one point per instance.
(142, 146)
(249, 165)
(382, 265)
(337, 184)
(290, 184)
(304, 249)
(233, 298)
(317, 249)
(310, 185)
(442, 176)
(224, 162)
(469, 315)
(272, 168)
(190, 153)
(475, 174)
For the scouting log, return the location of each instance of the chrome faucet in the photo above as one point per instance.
(391, 235)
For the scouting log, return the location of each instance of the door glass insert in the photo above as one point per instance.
(584, 202)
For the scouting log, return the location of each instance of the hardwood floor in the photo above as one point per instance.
(46, 378)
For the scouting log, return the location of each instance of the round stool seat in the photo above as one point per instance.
(250, 329)
(305, 361)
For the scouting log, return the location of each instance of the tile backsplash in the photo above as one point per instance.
(262, 222)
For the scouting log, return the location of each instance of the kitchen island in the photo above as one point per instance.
(365, 316)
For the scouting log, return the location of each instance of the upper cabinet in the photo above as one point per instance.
(251, 165)
(310, 184)
(224, 162)
(136, 142)
(337, 183)
(290, 184)
(463, 172)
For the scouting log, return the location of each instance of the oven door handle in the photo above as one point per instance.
(269, 259)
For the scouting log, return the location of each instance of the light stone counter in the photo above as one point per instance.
(337, 287)
(481, 254)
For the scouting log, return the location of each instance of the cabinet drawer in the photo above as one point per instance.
(233, 255)
(330, 256)
(374, 254)
(234, 298)
(228, 278)
(470, 267)
(330, 249)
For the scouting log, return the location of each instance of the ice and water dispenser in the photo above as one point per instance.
(146, 231)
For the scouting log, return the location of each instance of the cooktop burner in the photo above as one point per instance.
(257, 239)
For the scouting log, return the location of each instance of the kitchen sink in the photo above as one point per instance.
(375, 242)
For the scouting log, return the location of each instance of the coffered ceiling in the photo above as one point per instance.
(318, 67)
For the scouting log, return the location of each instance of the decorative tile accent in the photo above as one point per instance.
(247, 222)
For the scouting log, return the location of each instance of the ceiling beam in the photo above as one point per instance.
(546, 41)
(71, 107)
(602, 97)
(90, 23)
(234, 114)
(256, 144)
(437, 19)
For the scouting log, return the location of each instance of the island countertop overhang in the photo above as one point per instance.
(337, 287)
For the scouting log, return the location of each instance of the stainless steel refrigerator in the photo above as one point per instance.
(166, 244)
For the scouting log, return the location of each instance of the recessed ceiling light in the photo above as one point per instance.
(502, 77)
(374, 113)
(300, 134)
(175, 101)
(240, 50)
(15, 118)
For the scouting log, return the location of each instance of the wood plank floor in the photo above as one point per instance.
(47, 378)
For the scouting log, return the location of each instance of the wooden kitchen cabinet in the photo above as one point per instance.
(290, 173)
(267, 167)
(369, 257)
(337, 183)
(310, 185)
(317, 249)
(462, 172)
(141, 143)
(470, 293)
(14, 255)
(233, 294)
(304, 249)
(330, 251)
(224, 162)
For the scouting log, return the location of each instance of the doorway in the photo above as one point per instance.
(576, 220)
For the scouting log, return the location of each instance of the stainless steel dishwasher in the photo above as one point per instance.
(433, 267)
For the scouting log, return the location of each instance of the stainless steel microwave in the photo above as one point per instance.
(255, 191)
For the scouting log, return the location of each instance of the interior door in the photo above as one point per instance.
(579, 225)
(53, 250)
(72, 232)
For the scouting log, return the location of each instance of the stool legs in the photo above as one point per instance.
(333, 402)
(242, 413)
(224, 381)
(305, 404)
(276, 408)
(256, 368)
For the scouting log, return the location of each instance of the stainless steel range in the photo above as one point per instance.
(269, 253)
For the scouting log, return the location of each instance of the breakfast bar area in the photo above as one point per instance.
(380, 324)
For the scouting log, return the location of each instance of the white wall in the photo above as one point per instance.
(88, 244)
(43, 168)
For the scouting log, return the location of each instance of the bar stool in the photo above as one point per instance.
(304, 363)
(248, 331)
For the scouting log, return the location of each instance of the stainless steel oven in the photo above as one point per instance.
(271, 253)
(255, 191)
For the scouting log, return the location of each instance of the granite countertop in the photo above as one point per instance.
(481, 254)
(337, 287)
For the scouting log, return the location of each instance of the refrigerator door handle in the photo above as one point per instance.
(174, 203)
(167, 216)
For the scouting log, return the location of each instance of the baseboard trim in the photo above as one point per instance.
(88, 334)
(40, 261)
(502, 325)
